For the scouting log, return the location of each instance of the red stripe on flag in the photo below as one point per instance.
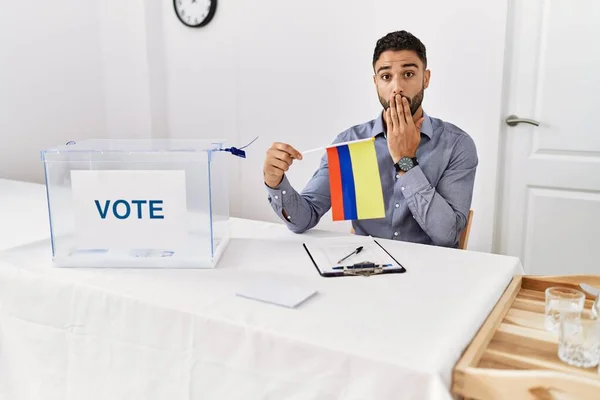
(335, 184)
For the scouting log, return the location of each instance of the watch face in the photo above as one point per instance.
(405, 164)
(195, 13)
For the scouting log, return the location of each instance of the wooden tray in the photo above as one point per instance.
(513, 357)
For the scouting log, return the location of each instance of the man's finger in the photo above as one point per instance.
(281, 155)
(393, 112)
(386, 118)
(285, 147)
(400, 111)
(391, 124)
(274, 164)
(288, 149)
(407, 114)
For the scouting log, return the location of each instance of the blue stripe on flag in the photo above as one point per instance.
(348, 189)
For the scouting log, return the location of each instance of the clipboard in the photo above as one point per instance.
(376, 261)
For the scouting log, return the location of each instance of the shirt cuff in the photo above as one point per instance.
(276, 194)
(413, 182)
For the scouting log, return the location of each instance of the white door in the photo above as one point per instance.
(549, 213)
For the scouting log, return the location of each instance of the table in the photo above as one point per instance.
(23, 213)
(183, 334)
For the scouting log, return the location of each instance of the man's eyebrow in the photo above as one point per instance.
(407, 65)
(384, 67)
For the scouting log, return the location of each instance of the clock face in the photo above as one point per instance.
(405, 164)
(195, 13)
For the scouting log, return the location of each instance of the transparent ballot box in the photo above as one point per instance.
(138, 203)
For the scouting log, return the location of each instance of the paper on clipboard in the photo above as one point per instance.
(327, 252)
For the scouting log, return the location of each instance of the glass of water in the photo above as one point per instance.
(562, 302)
(579, 340)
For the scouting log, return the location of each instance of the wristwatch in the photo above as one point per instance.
(406, 164)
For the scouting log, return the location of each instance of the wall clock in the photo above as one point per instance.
(195, 13)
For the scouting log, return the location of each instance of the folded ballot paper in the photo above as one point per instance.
(348, 255)
(279, 292)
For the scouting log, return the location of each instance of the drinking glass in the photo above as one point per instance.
(562, 302)
(579, 340)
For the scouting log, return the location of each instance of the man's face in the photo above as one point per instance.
(401, 72)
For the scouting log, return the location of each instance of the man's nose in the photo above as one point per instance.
(397, 88)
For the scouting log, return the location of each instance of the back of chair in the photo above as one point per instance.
(464, 236)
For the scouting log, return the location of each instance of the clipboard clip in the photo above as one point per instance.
(365, 268)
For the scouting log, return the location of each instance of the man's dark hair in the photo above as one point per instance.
(400, 40)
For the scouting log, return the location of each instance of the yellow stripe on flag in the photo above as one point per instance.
(367, 182)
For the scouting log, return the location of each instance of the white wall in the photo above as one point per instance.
(51, 81)
(73, 70)
(126, 67)
(300, 72)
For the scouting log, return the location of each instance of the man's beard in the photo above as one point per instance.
(414, 103)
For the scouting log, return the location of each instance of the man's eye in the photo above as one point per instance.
(385, 77)
(409, 74)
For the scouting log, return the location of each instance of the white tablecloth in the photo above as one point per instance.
(183, 334)
(23, 213)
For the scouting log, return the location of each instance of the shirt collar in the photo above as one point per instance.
(426, 128)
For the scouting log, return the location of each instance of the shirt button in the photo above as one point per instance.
(276, 197)
(283, 192)
(395, 233)
(397, 205)
(402, 188)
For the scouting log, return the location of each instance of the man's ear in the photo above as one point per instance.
(375, 79)
(426, 78)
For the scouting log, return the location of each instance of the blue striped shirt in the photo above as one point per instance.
(428, 204)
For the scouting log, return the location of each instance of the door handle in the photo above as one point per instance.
(513, 120)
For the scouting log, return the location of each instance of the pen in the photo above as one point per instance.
(358, 250)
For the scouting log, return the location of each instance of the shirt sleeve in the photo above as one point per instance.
(305, 209)
(442, 211)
